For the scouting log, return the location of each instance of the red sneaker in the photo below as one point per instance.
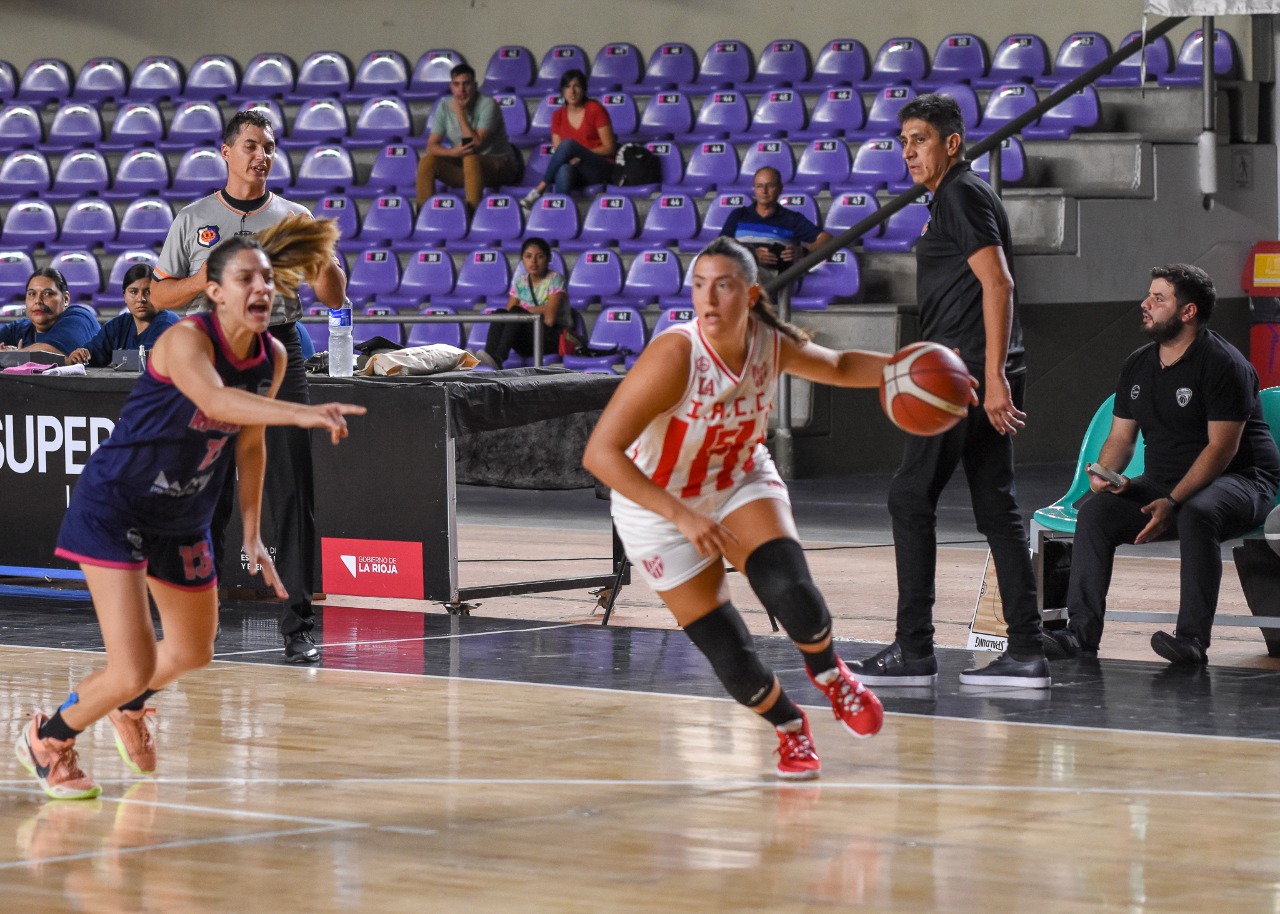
(133, 739)
(853, 704)
(54, 763)
(797, 760)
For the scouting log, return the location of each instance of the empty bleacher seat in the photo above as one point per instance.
(199, 173)
(610, 220)
(823, 164)
(197, 122)
(849, 208)
(835, 279)
(15, 268)
(623, 113)
(497, 220)
(270, 109)
(380, 73)
(212, 76)
(902, 228)
(29, 224)
(558, 60)
(1158, 57)
(619, 328)
(654, 273)
(672, 219)
(485, 276)
(430, 77)
(617, 66)
(101, 79)
(964, 96)
(319, 120)
(1077, 112)
(723, 115)
(876, 164)
(388, 330)
(89, 222)
(374, 272)
(1078, 52)
(8, 80)
(20, 126)
(960, 58)
(1013, 162)
(156, 78)
(268, 76)
(540, 123)
(448, 333)
(388, 220)
(46, 79)
(145, 223)
(726, 64)
(1188, 68)
(713, 220)
(24, 173)
(280, 178)
(515, 116)
(324, 169)
(342, 210)
(509, 70)
(776, 154)
(596, 275)
(882, 119)
(1004, 104)
(441, 221)
(553, 217)
(900, 61)
(779, 112)
(670, 66)
(712, 165)
(668, 114)
(1018, 58)
(139, 172)
(136, 124)
(841, 62)
(427, 276)
(802, 203)
(784, 62)
(837, 112)
(81, 172)
(81, 271)
(394, 170)
(324, 73)
(75, 124)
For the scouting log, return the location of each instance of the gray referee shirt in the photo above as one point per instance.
(202, 225)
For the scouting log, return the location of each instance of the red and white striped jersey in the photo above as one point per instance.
(715, 434)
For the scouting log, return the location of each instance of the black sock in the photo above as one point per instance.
(784, 711)
(56, 728)
(821, 661)
(138, 703)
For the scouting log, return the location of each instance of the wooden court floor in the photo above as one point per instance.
(442, 764)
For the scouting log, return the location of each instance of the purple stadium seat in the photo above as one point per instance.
(903, 227)
(713, 220)
(558, 59)
(619, 328)
(427, 276)
(478, 334)
(19, 126)
(270, 109)
(388, 330)
(554, 217)
(540, 124)
(967, 99)
(388, 220)
(712, 165)
(485, 276)
(783, 63)
(610, 220)
(772, 153)
(841, 62)
(374, 272)
(324, 73)
(136, 124)
(195, 123)
(780, 112)
(319, 120)
(380, 73)
(671, 220)
(324, 169)
(212, 76)
(139, 172)
(835, 279)
(1018, 58)
(123, 263)
(145, 223)
(46, 79)
(394, 171)
(616, 67)
(268, 76)
(535, 166)
(89, 222)
(655, 273)
(802, 203)
(343, 211)
(1188, 67)
(596, 275)
(198, 173)
(876, 164)
(15, 268)
(75, 124)
(671, 65)
(837, 111)
(496, 222)
(1077, 53)
(442, 220)
(723, 115)
(81, 172)
(450, 334)
(668, 114)
(848, 209)
(318, 331)
(81, 271)
(281, 177)
(514, 115)
(24, 173)
(960, 58)
(823, 164)
(1013, 161)
(156, 78)
(1003, 105)
(623, 113)
(900, 61)
(1128, 72)
(29, 224)
(669, 317)
(510, 69)
(380, 121)
(430, 77)
(671, 159)
(8, 80)
(1077, 112)
(101, 79)
(882, 119)
(725, 65)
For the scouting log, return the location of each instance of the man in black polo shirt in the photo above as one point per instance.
(964, 289)
(1211, 467)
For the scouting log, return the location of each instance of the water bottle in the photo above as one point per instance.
(341, 351)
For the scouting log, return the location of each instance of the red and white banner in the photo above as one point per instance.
(371, 568)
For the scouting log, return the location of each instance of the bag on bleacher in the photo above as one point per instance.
(571, 343)
(636, 165)
(430, 359)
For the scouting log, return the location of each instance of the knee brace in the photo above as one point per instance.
(780, 577)
(723, 638)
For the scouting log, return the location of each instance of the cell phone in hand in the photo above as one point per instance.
(468, 140)
(1110, 476)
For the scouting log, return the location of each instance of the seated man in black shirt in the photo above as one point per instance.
(1211, 467)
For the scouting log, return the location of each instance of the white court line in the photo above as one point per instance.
(423, 638)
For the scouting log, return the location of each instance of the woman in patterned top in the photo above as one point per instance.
(536, 290)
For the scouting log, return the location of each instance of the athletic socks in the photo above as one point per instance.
(821, 664)
(783, 712)
(56, 728)
(138, 703)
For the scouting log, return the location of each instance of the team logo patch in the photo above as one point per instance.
(758, 373)
(1184, 396)
(702, 363)
(1134, 391)
(654, 567)
(208, 235)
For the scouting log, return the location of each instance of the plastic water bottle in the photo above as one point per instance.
(341, 351)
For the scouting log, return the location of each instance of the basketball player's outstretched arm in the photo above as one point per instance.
(848, 368)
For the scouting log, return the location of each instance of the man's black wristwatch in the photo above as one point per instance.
(1173, 501)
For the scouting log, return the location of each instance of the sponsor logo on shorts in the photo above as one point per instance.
(654, 567)
(208, 235)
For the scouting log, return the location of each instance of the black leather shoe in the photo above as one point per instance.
(1009, 672)
(300, 648)
(890, 668)
(1062, 644)
(1179, 649)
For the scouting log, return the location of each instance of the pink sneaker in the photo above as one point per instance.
(853, 704)
(797, 760)
(54, 763)
(133, 739)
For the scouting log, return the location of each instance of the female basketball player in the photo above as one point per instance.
(682, 446)
(139, 516)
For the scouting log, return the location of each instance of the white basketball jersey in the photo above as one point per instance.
(715, 434)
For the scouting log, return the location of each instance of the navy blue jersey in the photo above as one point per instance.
(166, 461)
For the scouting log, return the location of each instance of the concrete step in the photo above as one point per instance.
(1093, 165)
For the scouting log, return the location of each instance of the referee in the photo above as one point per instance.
(245, 207)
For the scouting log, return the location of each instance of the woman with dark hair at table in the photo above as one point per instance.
(52, 323)
(537, 289)
(582, 135)
(139, 325)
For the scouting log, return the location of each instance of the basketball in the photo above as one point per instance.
(925, 389)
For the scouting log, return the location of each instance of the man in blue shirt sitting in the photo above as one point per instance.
(776, 235)
(139, 325)
(52, 323)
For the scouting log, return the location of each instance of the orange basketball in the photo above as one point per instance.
(925, 389)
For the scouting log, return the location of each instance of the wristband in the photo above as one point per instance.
(1173, 501)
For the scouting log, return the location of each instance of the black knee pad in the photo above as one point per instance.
(723, 638)
(780, 577)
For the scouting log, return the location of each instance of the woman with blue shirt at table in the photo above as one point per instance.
(52, 323)
(140, 324)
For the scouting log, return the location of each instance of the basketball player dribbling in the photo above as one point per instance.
(682, 446)
(139, 516)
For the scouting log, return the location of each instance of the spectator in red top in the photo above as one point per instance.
(582, 136)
